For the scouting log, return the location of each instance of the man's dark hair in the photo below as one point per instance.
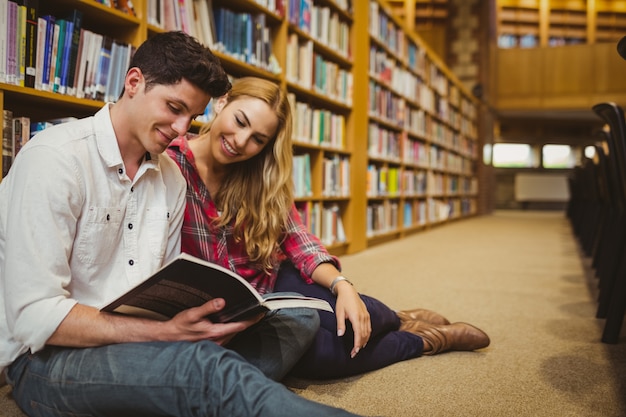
(167, 58)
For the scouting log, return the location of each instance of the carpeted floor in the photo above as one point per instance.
(517, 275)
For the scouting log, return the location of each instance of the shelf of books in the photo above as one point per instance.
(531, 23)
(421, 135)
(373, 107)
(60, 60)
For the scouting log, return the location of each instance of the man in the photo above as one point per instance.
(89, 210)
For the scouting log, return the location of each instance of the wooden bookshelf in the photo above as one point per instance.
(530, 23)
(430, 124)
(422, 134)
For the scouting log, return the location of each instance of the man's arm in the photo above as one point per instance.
(86, 326)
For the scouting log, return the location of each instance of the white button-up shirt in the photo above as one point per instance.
(74, 228)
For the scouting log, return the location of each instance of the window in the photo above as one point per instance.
(513, 155)
(558, 156)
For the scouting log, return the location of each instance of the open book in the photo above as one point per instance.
(188, 282)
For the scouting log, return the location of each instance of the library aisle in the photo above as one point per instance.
(519, 276)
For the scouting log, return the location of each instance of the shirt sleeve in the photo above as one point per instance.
(304, 249)
(46, 195)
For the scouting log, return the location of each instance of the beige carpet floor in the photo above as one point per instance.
(517, 275)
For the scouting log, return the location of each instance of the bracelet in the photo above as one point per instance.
(337, 281)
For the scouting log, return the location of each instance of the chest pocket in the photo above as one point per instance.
(158, 220)
(100, 235)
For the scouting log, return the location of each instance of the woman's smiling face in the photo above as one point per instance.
(241, 129)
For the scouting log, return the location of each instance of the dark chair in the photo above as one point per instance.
(611, 253)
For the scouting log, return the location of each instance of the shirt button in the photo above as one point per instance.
(130, 225)
(131, 262)
(132, 189)
(121, 171)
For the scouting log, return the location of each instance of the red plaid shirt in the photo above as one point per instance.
(201, 238)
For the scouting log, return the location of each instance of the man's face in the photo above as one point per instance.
(165, 112)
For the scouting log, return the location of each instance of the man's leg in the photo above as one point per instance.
(148, 379)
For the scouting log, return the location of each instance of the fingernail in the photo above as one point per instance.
(340, 332)
(355, 352)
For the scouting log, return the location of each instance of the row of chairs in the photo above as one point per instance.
(597, 212)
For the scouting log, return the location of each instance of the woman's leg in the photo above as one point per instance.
(329, 355)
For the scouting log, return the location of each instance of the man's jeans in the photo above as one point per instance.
(173, 379)
(152, 379)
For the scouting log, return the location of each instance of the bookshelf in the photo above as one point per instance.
(364, 101)
(531, 23)
(421, 14)
(422, 138)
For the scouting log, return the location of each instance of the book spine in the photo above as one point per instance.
(31, 42)
(54, 56)
(76, 17)
(20, 47)
(83, 51)
(41, 47)
(11, 24)
(59, 64)
(65, 66)
(103, 68)
(7, 141)
(3, 40)
(50, 20)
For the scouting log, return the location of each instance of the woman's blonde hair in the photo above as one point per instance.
(257, 194)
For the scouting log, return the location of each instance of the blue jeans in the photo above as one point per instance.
(278, 341)
(152, 379)
(329, 355)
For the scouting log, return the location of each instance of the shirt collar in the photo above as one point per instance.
(107, 142)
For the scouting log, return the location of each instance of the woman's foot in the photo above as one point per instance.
(448, 337)
(421, 314)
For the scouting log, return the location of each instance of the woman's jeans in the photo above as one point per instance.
(329, 355)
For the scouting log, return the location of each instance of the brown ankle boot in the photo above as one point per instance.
(444, 338)
(421, 314)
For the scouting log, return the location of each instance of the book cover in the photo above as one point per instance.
(54, 55)
(188, 282)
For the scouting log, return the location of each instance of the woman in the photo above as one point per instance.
(241, 214)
